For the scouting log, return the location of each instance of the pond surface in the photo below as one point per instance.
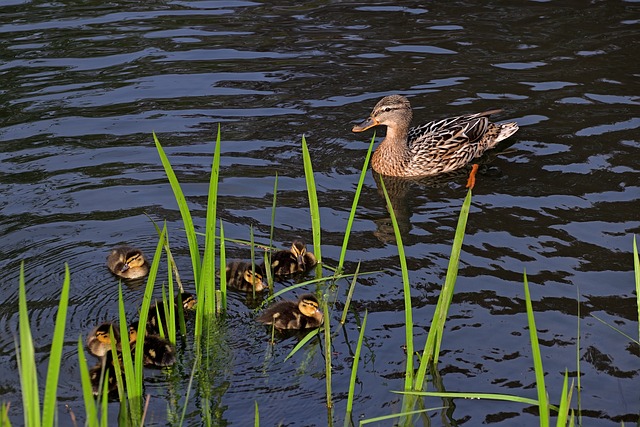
(84, 84)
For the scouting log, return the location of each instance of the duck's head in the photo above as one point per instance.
(255, 278)
(309, 306)
(391, 111)
(133, 333)
(298, 249)
(132, 259)
(99, 340)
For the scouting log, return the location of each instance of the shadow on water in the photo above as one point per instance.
(84, 86)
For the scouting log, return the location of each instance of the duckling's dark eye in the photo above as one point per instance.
(386, 109)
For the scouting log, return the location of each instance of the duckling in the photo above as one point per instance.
(157, 351)
(127, 262)
(295, 260)
(156, 315)
(95, 375)
(99, 339)
(241, 276)
(301, 314)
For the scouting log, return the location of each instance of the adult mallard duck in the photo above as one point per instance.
(295, 260)
(242, 276)
(432, 148)
(301, 314)
(127, 262)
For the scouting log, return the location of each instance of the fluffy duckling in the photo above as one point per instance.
(241, 276)
(99, 339)
(156, 315)
(157, 351)
(301, 314)
(295, 260)
(127, 262)
(95, 375)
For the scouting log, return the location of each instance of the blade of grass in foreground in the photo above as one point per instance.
(408, 316)
(636, 268)
(26, 361)
(354, 370)
(434, 339)
(207, 279)
(184, 211)
(354, 206)
(313, 202)
(327, 352)
(256, 423)
(543, 405)
(55, 355)
(90, 408)
(302, 342)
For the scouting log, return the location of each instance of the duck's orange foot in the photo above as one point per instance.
(471, 182)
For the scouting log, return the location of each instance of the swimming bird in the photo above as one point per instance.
(157, 351)
(292, 261)
(156, 315)
(301, 314)
(242, 276)
(99, 339)
(127, 262)
(432, 148)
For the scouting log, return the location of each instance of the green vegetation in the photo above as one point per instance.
(208, 333)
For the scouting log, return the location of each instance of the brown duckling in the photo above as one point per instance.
(99, 339)
(156, 315)
(241, 276)
(127, 262)
(95, 375)
(295, 260)
(301, 314)
(157, 351)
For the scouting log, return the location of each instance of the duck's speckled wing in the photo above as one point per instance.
(444, 144)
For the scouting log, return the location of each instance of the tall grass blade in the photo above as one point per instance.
(327, 352)
(55, 355)
(436, 330)
(302, 342)
(208, 264)
(223, 267)
(354, 368)
(26, 361)
(313, 203)
(543, 404)
(4, 415)
(87, 390)
(402, 414)
(256, 413)
(184, 212)
(408, 316)
(565, 400)
(636, 269)
(463, 395)
(347, 302)
(354, 206)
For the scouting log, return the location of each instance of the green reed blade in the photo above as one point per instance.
(313, 203)
(565, 400)
(406, 287)
(434, 339)
(133, 388)
(256, 413)
(26, 361)
(578, 369)
(327, 351)
(636, 269)
(354, 205)
(55, 355)
(302, 342)
(87, 389)
(252, 248)
(208, 265)
(347, 302)
(170, 306)
(184, 211)
(354, 367)
(466, 395)
(223, 268)
(543, 404)
(401, 414)
(273, 211)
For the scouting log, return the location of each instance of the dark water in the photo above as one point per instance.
(83, 85)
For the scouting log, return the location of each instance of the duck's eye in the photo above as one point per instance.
(386, 109)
